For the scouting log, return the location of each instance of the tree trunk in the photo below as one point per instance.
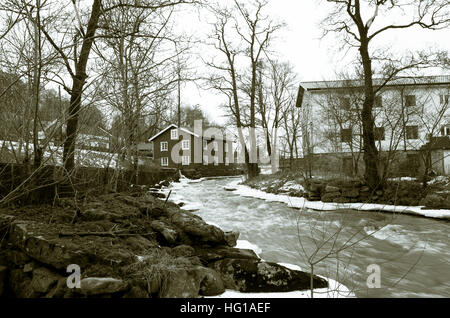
(79, 80)
(370, 150)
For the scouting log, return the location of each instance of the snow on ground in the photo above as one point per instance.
(299, 203)
(291, 186)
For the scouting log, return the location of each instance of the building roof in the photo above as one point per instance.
(397, 81)
(186, 130)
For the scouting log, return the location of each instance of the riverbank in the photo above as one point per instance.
(133, 245)
(403, 196)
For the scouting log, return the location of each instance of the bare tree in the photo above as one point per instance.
(348, 18)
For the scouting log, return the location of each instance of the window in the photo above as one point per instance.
(216, 146)
(185, 145)
(205, 145)
(443, 99)
(174, 134)
(378, 102)
(345, 103)
(216, 160)
(205, 160)
(185, 160)
(378, 133)
(346, 135)
(445, 131)
(164, 161)
(412, 132)
(410, 100)
(164, 146)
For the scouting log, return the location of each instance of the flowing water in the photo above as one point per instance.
(411, 253)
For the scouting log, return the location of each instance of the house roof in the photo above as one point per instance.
(357, 83)
(187, 130)
(172, 126)
(437, 143)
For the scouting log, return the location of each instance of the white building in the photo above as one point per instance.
(407, 112)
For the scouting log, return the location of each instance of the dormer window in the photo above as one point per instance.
(174, 134)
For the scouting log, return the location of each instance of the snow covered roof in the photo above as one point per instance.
(173, 126)
(355, 83)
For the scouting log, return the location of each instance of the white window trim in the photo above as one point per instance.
(226, 146)
(216, 145)
(164, 148)
(205, 145)
(183, 142)
(174, 134)
(216, 160)
(162, 161)
(205, 160)
(185, 162)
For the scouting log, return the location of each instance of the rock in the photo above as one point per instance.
(59, 290)
(231, 238)
(331, 189)
(43, 280)
(3, 279)
(29, 267)
(364, 189)
(20, 284)
(330, 196)
(182, 251)
(211, 283)
(136, 292)
(24, 236)
(157, 194)
(432, 201)
(101, 285)
(17, 257)
(226, 188)
(313, 197)
(181, 204)
(169, 234)
(350, 192)
(179, 283)
(198, 230)
(138, 242)
(208, 255)
(257, 276)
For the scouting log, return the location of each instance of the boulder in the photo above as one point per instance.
(246, 275)
(341, 200)
(3, 278)
(350, 192)
(231, 238)
(198, 230)
(24, 235)
(211, 283)
(136, 292)
(182, 251)
(101, 285)
(168, 233)
(20, 285)
(208, 255)
(432, 201)
(331, 189)
(59, 290)
(330, 196)
(180, 283)
(43, 280)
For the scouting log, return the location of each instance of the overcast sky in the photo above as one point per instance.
(300, 44)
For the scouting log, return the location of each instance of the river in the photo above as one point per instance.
(410, 255)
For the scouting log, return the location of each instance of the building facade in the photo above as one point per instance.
(175, 147)
(407, 113)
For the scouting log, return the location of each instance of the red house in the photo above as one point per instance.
(175, 147)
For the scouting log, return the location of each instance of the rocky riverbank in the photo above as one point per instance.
(400, 192)
(128, 245)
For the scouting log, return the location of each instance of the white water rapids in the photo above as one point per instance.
(412, 252)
